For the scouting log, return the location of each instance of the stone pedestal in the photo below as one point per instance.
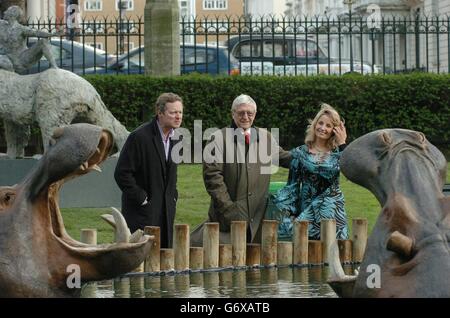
(162, 38)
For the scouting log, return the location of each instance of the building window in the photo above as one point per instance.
(184, 8)
(93, 5)
(126, 5)
(215, 4)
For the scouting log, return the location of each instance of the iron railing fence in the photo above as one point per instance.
(267, 45)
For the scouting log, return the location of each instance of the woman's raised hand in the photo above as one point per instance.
(341, 134)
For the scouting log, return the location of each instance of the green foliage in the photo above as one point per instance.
(415, 101)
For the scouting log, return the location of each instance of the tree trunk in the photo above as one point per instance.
(5, 4)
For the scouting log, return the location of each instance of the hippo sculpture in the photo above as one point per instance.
(409, 244)
(37, 256)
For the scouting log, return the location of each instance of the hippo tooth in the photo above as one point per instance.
(122, 232)
(96, 168)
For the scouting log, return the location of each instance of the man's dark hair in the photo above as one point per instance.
(163, 99)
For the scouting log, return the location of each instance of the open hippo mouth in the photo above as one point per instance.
(36, 253)
(408, 252)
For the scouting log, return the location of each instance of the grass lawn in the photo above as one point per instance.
(193, 204)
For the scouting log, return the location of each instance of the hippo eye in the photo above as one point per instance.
(386, 138)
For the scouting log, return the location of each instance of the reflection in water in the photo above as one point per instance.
(285, 274)
(121, 287)
(137, 289)
(255, 283)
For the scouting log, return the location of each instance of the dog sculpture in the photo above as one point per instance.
(52, 99)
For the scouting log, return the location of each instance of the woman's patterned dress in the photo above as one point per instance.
(312, 192)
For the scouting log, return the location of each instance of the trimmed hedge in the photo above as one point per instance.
(415, 101)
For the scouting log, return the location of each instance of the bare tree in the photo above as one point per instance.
(5, 4)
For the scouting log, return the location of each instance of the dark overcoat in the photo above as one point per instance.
(143, 172)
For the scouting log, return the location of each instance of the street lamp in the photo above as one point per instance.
(349, 3)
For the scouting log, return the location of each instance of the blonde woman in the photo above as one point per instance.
(312, 192)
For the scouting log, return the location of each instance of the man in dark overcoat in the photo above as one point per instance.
(146, 173)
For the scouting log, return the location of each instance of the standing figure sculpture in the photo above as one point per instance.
(15, 56)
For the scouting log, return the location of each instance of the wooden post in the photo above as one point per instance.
(152, 262)
(269, 242)
(284, 253)
(211, 245)
(300, 240)
(359, 239)
(315, 252)
(253, 257)
(225, 255)
(239, 242)
(89, 236)
(327, 236)
(167, 259)
(345, 251)
(181, 246)
(196, 257)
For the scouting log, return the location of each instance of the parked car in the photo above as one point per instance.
(287, 55)
(71, 55)
(197, 58)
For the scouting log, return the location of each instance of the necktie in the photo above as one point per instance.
(247, 138)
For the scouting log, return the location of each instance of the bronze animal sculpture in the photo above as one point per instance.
(51, 99)
(36, 253)
(410, 240)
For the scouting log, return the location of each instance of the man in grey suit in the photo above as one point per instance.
(236, 176)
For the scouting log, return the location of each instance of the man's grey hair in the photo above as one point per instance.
(242, 99)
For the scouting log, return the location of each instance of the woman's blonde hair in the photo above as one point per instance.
(325, 109)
